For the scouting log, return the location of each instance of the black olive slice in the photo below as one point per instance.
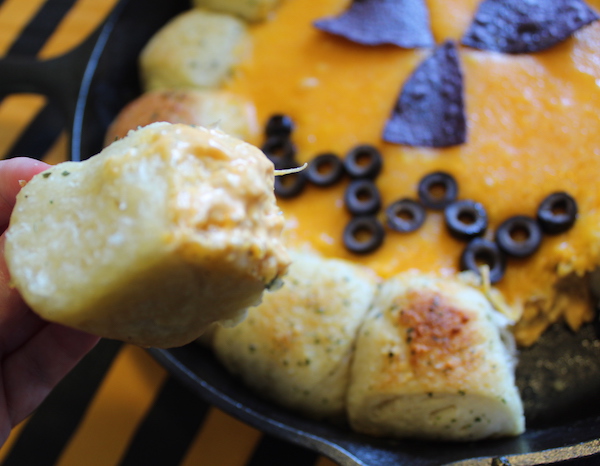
(363, 234)
(557, 213)
(288, 186)
(279, 125)
(363, 161)
(281, 151)
(466, 219)
(519, 236)
(481, 251)
(438, 189)
(362, 197)
(405, 215)
(325, 169)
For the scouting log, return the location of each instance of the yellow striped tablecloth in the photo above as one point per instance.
(118, 406)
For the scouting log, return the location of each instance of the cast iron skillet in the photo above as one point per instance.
(559, 377)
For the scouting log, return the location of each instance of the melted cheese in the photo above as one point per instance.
(533, 129)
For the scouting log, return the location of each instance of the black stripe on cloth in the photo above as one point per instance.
(49, 430)
(271, 451)
(168, 429)
(40, 28)
(41, 133)
(46, 127)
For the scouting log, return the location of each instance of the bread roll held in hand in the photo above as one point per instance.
(163, 233)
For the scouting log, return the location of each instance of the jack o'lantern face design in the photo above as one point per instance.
(430, 109)
(530, 129)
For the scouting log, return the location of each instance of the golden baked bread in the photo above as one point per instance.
(197, 49)
(253, 10)
(164, 232)
(430, 362)
(210, 108)
(296, 346)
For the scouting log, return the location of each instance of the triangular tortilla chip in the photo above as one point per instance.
(517, 26)
(430, 110)
(404, 23)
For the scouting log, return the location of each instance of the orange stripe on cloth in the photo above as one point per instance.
(322, 461)
(14, 16)
(222, 441)
(79, 22)
(127, 392)
(16, 111)
(12, 438)
(57, 153)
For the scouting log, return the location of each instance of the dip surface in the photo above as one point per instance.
(533, 129)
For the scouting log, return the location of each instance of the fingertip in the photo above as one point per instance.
(26, 166)
(13, 172)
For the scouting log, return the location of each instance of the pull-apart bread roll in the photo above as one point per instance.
(197, 49)
(254, 10)
(211, 108)
(431, 363)
(295, 347)
(164, 232)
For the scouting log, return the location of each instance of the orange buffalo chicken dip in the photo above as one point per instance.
(532, 129)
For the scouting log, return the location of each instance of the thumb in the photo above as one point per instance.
(12, 172)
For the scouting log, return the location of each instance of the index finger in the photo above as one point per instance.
(13, 171)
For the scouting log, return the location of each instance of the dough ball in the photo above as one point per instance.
(164, 232)
(255, 10)
(212, 108)
(197, 49)
(431, 363)
(295, 347)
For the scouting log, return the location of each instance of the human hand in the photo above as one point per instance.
(34, 354)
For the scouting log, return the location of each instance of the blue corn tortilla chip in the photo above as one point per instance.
(404, 23)
(430, 111)
(520, 26)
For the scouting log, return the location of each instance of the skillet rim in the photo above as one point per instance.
(357, 448)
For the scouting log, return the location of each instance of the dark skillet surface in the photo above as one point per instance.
(558, 378)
